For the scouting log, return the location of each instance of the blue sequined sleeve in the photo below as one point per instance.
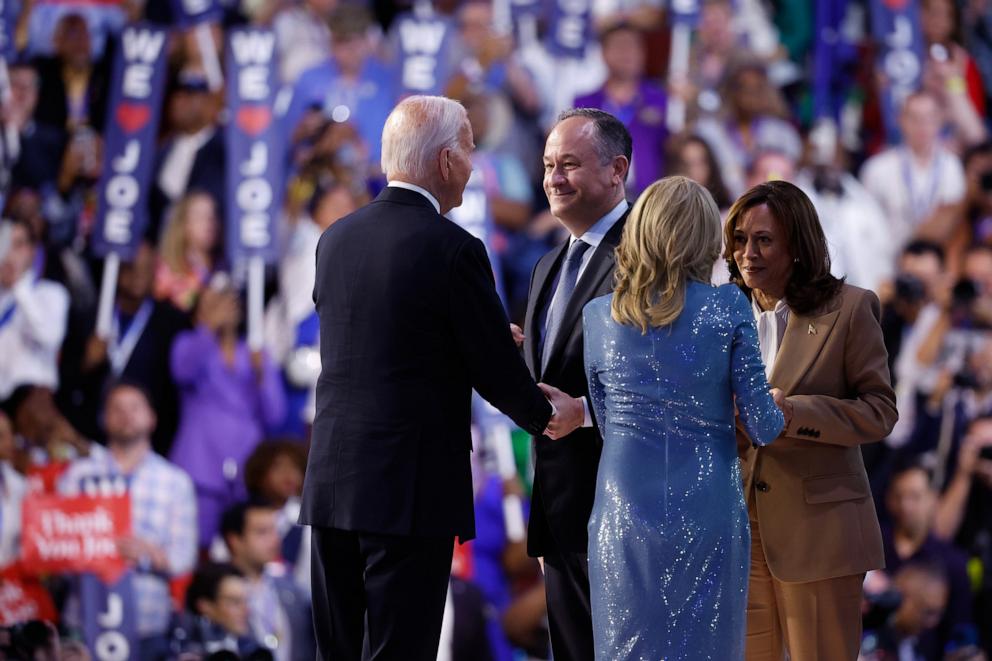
(593, 327)
(762, 419)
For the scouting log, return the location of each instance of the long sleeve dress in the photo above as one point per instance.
(669, 543)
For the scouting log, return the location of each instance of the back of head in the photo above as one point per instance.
(672, 235)
(417, 129)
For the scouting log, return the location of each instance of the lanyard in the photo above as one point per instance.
(8, 314)
(120, 349)
(920, 206)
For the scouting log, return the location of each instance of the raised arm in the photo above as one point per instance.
(761, 419)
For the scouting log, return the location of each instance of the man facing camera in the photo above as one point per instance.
(586, 159)
(410, 323)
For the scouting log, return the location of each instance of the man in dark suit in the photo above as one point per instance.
(586, 159)
(137, 351)
(410, 323)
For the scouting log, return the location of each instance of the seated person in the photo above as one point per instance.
(217, 615)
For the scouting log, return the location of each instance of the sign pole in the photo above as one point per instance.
(256, 295)
(108, 289)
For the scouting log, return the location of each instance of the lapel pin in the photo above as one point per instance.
(811, 330)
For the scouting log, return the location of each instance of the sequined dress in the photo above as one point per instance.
(669, 544)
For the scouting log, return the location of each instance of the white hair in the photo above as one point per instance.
(416, 130)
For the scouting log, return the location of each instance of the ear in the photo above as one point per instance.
(444, 163)
(620, 168)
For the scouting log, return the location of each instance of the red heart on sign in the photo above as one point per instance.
(133, 117)
(254, 119)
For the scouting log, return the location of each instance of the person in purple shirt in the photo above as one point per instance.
(639, 104)
(230, 396)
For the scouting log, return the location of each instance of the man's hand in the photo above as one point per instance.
(95, 354)
(518, 335)
(570, 412)
(136, 550)
(784, 404)
(970, 461)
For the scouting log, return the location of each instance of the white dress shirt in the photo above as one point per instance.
(13, 489)
(32, 336)
(173, 178)
(593, 236)
(771, 329)
(423, 191)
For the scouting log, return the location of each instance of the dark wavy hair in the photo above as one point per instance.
(811, 285)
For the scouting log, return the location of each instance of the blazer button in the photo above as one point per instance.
(762, 487)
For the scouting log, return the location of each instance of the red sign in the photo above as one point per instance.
(77, 534)
(42, 479)
(23, 599)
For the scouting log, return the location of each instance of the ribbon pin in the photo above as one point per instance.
(811, 330)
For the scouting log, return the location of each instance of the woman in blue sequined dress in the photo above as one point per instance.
(667, 356)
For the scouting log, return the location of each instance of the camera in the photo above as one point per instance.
(910, 289)
(985, 181)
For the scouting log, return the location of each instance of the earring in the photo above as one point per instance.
(796, 260)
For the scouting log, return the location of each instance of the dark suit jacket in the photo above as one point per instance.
(81, 393)
(207, 175)
(52, 99)
(565, 469)
(409, 323)
(297, 607)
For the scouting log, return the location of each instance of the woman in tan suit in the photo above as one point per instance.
(814, 530)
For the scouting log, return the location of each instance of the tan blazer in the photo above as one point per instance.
(809, 486)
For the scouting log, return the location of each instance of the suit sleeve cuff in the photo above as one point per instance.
(586, 415)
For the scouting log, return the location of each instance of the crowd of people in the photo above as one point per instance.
(212, 435)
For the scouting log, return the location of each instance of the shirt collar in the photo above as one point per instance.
(418, 189)
(594, 235)
(781, 308)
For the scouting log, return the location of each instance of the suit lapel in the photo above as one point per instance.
(544, 272)
(805, 336)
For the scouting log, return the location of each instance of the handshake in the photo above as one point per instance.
(569, 412)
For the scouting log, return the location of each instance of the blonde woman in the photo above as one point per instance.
(667, 356)
(187, 250)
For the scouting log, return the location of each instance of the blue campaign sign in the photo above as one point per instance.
(570, 27)
(255, 164)
(109, 617)
(129, 149)
(474, 215)
(896, 28)
(684, 12)
(190, 12)
(423, 42)
(834, 60)
(8, 20)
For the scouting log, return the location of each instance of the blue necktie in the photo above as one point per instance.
(566, 285)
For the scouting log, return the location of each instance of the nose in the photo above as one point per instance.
(556, 177)
(750, 249)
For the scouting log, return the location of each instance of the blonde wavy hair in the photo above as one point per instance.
(172, 245)
(672, 235)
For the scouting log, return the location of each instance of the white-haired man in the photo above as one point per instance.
(409, 323)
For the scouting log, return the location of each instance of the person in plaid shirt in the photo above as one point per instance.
(163, 505)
